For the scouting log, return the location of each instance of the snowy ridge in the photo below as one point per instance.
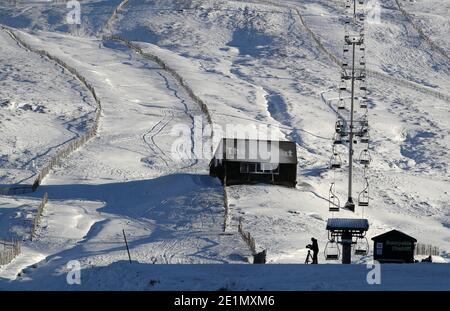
(434, 45)
(370, 72)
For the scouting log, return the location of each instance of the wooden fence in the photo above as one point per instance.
(8, 251)
(419, 30)
(247, 237)
(111, 19)
(426, 249)
(37, 218)
(226, 206)
(258, 257)
(67, 149)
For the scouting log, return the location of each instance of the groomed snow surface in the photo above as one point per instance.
(253, 63)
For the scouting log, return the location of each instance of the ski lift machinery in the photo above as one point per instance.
(346, 232)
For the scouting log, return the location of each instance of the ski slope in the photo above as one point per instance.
(253, 63)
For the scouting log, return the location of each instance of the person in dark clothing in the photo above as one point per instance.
(314, 246)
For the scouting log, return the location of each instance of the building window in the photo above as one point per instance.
(260, 168)
(379, 249)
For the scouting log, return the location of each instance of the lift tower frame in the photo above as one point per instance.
(354, 41)
(343, 231)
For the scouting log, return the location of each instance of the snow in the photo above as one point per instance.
(148, 277)
(253, 64)
(36, 96)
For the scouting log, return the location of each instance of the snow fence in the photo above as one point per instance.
(67, 149)
(8, 251)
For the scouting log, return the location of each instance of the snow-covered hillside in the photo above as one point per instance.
(253, 63)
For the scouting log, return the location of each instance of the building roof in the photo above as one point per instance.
(394, 232)
(259, 151)
(347, 224)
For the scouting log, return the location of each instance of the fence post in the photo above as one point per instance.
(225, 204)
(126, 244)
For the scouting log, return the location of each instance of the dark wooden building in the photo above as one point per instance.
(394, 247)
(247, 161)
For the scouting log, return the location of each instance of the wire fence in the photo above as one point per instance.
(37, 218)
(426, 249)
(9, 250)
(67, 149)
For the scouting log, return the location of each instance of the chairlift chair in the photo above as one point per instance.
(338, 141)
(361, 76)
(363, 131)
(363, 197)
(365, 139)
(361, 246)
(364, 123)
(364, 157)
(345, 76)
(333, 201)
(363, 104)
(341, 104)
(332, 251)
(339, 126)
(335, 161)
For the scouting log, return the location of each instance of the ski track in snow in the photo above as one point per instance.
(153, 132)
